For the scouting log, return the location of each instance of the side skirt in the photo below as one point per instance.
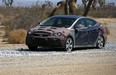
(84, 46)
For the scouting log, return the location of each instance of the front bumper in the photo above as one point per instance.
(50, 41)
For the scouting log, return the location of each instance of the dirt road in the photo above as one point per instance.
(80, 62)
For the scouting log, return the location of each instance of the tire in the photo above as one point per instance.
(32, 47)
(69, 44)
(100, 42)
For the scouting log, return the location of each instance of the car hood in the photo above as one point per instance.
(50, 29)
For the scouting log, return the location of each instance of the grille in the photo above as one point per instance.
(41, 34)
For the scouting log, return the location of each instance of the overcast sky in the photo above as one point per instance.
(33, 2)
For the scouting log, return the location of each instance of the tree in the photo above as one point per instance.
(46, 4)
(37, 3)
(8, 2)
(87, 8)
(94, 3)
(101, 2)
(68, 6)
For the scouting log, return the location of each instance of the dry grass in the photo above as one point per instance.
(112, 36)
(106, 20)
(0, 32)
(17, 36)
(112, 29)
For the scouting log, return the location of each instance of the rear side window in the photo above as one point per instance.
(90, 22)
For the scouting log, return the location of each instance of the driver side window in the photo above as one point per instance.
(80, 24)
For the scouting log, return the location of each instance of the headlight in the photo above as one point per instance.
(57, 34)
(29, 32)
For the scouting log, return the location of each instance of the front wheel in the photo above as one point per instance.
(100, 42)
(33, 47)
(69, 44)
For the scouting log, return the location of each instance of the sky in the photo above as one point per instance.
(33, 2)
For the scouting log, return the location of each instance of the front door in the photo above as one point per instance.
(93, 30)
(81, 33)
(81, 37)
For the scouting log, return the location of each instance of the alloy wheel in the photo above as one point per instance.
(69, 44)
(100, 42)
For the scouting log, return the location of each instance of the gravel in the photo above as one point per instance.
(6, 52)
(47, 62)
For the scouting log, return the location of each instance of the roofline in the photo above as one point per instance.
(73, 16)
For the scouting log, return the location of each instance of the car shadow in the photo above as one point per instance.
(55, 49)
(43, 50)
(85, 48)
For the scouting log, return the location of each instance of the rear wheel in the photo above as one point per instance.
(33, 47)
(100, 42)
(69, 44)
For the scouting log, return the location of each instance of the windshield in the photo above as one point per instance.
(58, 22)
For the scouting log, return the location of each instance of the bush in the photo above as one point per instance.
(17, 36)
(25, 18)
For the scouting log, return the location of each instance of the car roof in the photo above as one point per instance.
(68, 16)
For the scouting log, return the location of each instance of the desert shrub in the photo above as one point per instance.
(17, 36)
(25, 18)
(16, 18)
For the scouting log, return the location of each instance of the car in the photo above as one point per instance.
(67, 32)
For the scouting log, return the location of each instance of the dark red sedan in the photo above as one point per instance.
(67, 32)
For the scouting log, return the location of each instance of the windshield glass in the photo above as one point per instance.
(58, 22)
